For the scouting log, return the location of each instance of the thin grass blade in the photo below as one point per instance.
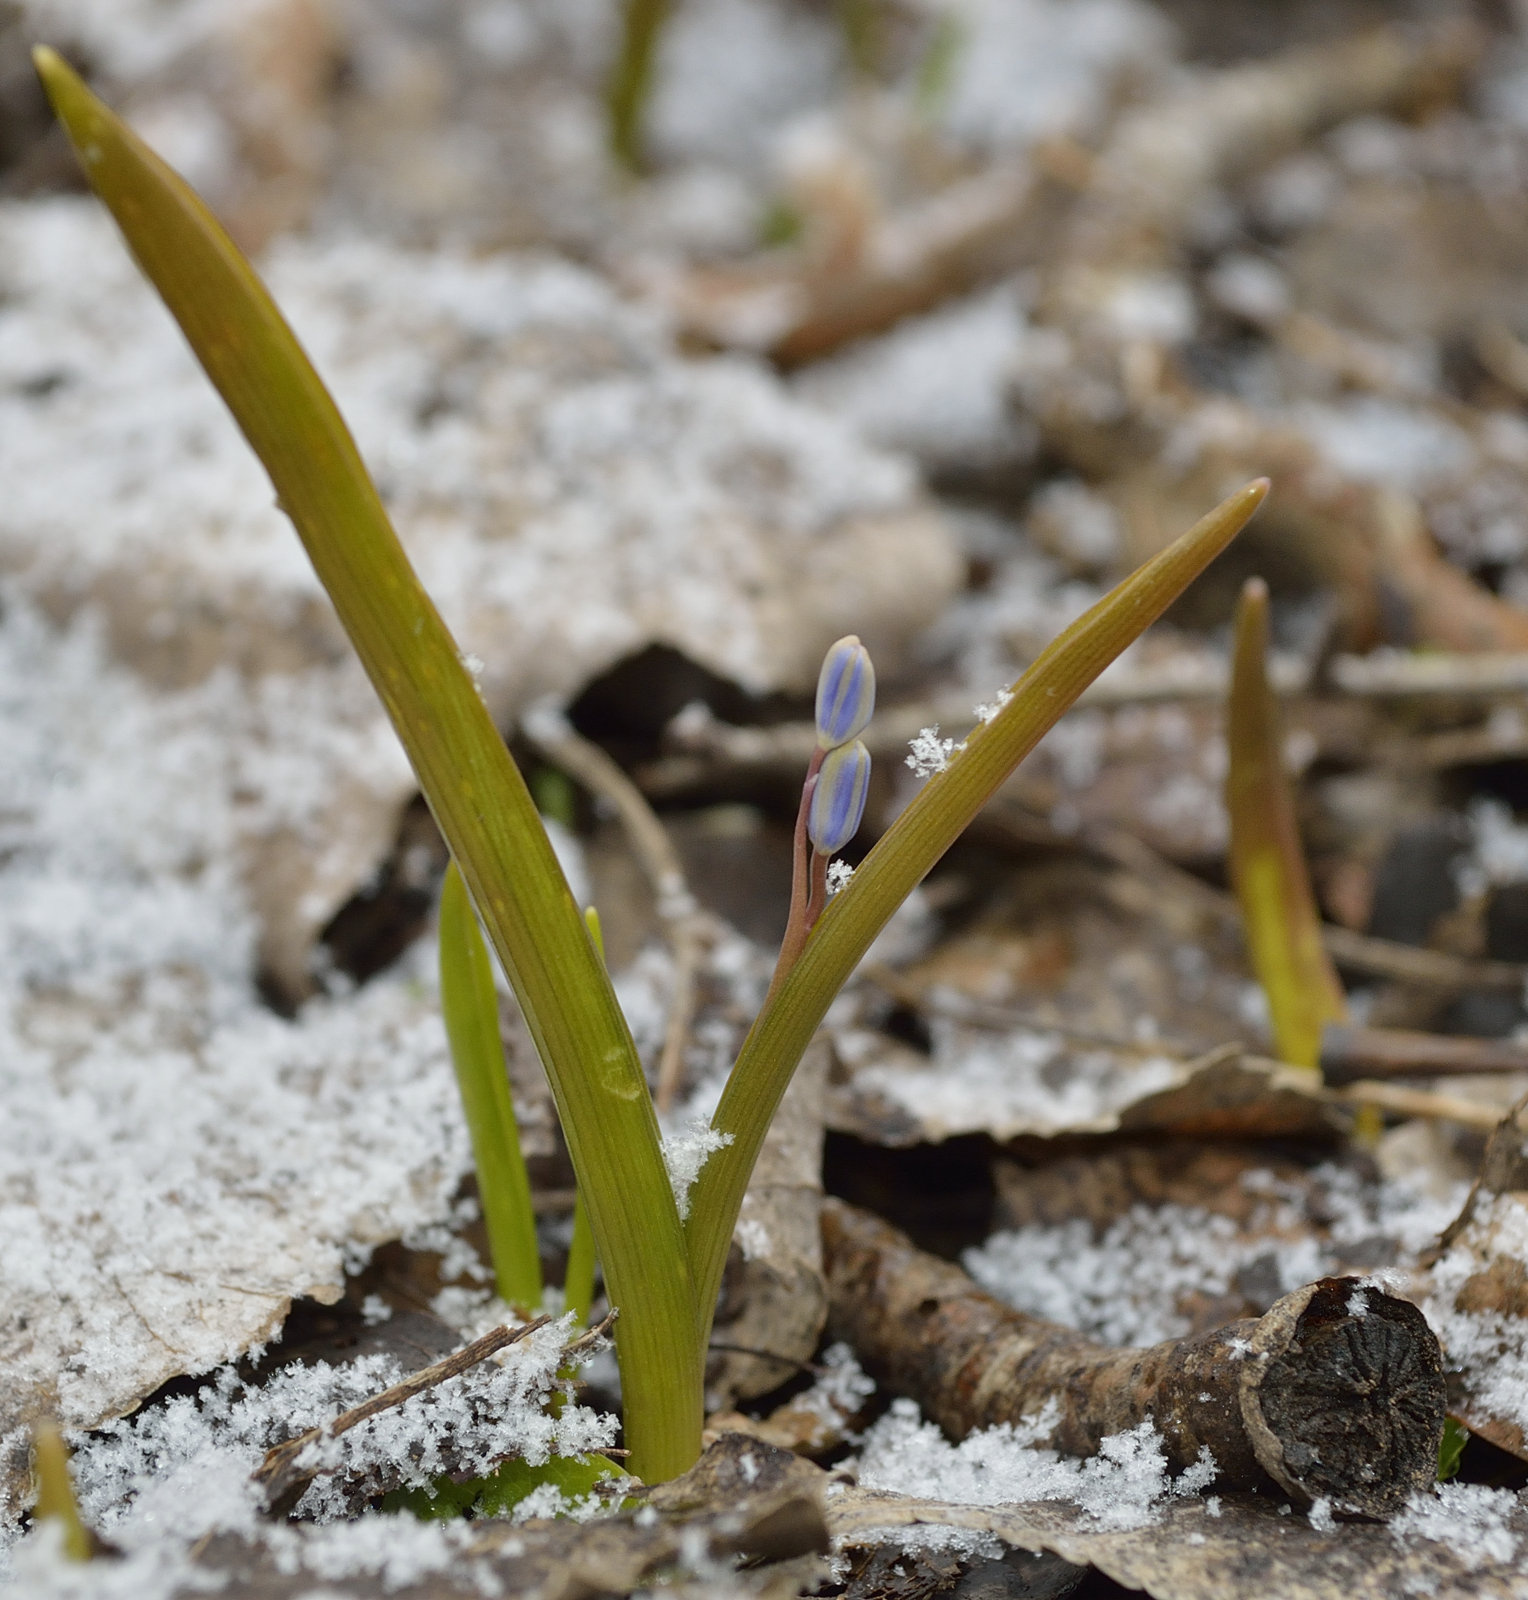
(55, 1491)
(1268, 871)
(471, 1009)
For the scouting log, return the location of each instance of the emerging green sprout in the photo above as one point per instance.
(1267, 861)
(631, 79)
(55, 1491)
(471, 1010)
(662, 1273)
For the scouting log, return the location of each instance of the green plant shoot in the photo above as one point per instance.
(662, 1275)
(631, 79)
(473, 788)
(55, 1491)
(905, 854)
(1267, 861)
(471, 1011)
(578, 1278)
(1455, 1437)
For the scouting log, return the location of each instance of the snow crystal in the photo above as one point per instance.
(841, 1387)
(1320, 1515)
(1474, 1521)
(989, 709)
(839, 874)
(1121, 1487)
(1126, 1284)
(685, 1152)
(930, 753)
(1490, 1345)
(375, 1309)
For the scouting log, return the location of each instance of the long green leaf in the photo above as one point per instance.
(471, 1010)
(473, 788)
(1268, 869)
(910, 847)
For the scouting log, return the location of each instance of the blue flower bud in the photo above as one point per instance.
(838, 801)
(845, 693)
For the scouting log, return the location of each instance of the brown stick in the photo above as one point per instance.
(1324, 1399)
(1350, 1053)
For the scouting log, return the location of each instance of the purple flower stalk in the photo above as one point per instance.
(838, 799)
(845, 693)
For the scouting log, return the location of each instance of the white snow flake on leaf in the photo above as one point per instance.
(685, 1152)
(929, 753)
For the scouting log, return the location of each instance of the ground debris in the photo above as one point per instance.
(1335, 1394)
(1225, 1548)
(744, 1500)
(1475, 1293)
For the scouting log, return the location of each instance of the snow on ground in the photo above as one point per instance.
(176, 1161)
(156, 1484)
(570, 490)
(1121, 1487)
(1125, 1285)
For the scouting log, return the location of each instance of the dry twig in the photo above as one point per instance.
(1351, 1053)
(1337, 1392)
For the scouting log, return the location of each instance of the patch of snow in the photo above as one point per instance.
(1020, 1081)
(685, 1152)
(729, 72)
(1498, 852)
(841, 1386)
(929, 753)
(157, 1483)
(1384, 441)
(1125, 1285)
(936, 386)
(1489, 1345)
(1026, 70)
(1473, 1521)
(1122, 1487)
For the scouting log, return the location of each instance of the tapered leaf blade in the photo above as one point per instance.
(900, 860)
(1268, 871)
(473, 788)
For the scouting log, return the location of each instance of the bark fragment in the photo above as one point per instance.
(1336, 1393)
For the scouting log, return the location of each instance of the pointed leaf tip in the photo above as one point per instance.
(73, 104)
(56, 73)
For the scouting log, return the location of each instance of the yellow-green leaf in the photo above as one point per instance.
(473, 787)
(903, 856)
(1268, 869)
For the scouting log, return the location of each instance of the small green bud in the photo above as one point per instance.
(845, 693)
